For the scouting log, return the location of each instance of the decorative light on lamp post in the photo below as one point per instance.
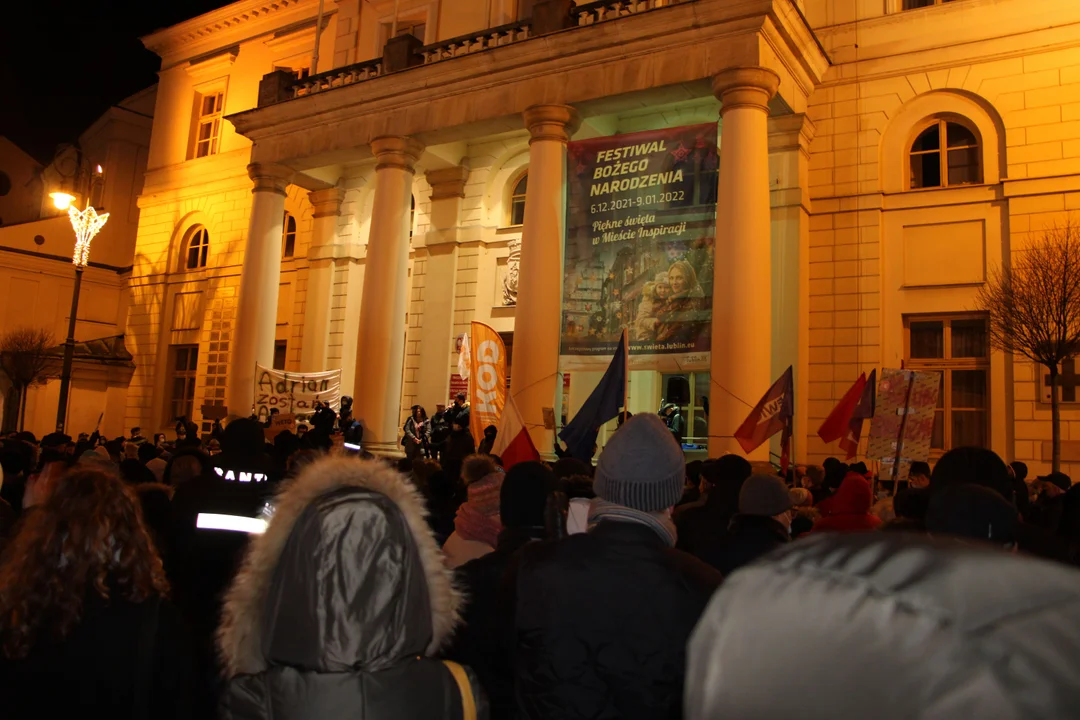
(86, 223)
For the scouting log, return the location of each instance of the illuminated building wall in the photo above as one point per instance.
(869, 268)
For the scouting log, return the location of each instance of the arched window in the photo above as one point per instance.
(196, 247)
(945, 154)
(288, 235)
(517, 200)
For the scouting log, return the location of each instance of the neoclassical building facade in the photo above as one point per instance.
(351, 190)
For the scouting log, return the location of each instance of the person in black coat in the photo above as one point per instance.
(760, 527)
(600, 619)
(459, 446)
(703, 526)
(522, 500)
(86, 629)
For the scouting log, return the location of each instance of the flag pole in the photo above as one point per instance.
(626, 376)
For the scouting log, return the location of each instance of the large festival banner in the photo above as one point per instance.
(640, 229)
(487, 381)
(292, 392)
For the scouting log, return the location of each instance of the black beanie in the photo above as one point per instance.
(524, 495)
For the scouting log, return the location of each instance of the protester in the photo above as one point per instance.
(235, 488)
(341, 604)
(490, 433)
(477, 525)
(849, 509)
(600, 619)
(803, 514)
(702, 527)
(522, 499)
(441, 496)
(919, 475)
(972, 512)
(417, 434)
(458, 446)
(902, 627)
(85, 626)
(762, 524)
(440, 431)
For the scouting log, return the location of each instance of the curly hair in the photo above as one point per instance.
(87, 536)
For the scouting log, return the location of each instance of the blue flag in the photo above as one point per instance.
(603, 405)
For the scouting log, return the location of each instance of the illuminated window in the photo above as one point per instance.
(183, 362)
(957, 347)
(208, 123)
(943, 155)
(288, 236)
(517, 201)
(196, 248)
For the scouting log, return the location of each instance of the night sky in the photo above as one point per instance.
(63, 62)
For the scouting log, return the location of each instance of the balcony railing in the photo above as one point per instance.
(475, 42)
(580, 16)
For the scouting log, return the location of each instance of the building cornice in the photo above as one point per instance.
(229, 24)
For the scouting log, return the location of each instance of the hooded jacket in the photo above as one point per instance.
(891, 627)
(340, 605)
(849, 509)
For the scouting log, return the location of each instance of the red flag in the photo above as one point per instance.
(863, 410)
(513, 443)
(836, 425)
(773, 413)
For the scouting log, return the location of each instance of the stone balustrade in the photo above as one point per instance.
(476, 42)
(581, 16)
(604, 10)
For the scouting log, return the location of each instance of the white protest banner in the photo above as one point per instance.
(293, 392)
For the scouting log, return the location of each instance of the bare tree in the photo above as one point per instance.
(25, 359)
(1034, 308)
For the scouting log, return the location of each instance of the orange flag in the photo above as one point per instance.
(487, 384)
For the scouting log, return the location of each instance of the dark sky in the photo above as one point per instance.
(64, 62)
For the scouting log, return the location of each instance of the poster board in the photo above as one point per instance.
(640, 229)
(293, 392)
(279, 423)
(903, 424)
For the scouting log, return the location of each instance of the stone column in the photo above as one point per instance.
(380, 342)
(434, 288)
(260, 276)
(534, 375)
(741, 367)
(326, 209)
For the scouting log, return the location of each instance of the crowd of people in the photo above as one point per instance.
(230, 577)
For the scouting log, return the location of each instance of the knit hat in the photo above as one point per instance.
(642, 466)
(764, 495)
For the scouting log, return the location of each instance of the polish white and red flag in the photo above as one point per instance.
(513, 443)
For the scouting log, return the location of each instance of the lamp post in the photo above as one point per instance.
(86, 223)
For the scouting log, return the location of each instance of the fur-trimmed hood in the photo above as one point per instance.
(344, 577)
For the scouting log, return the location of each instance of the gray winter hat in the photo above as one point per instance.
(764, 495)
(642, 466)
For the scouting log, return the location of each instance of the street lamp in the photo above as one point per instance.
(86, 223)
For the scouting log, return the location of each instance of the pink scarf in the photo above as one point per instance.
(478, 518)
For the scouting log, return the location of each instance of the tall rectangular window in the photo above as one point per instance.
(959, 348)
(183, 362)
(208, 122)
(688, 393)
(281, 348)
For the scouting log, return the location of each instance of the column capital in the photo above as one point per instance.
(447, 182)
(551, 122)
(745, 87)
(270, 177)
(791, 132)
(325, 203)
(396, 151)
